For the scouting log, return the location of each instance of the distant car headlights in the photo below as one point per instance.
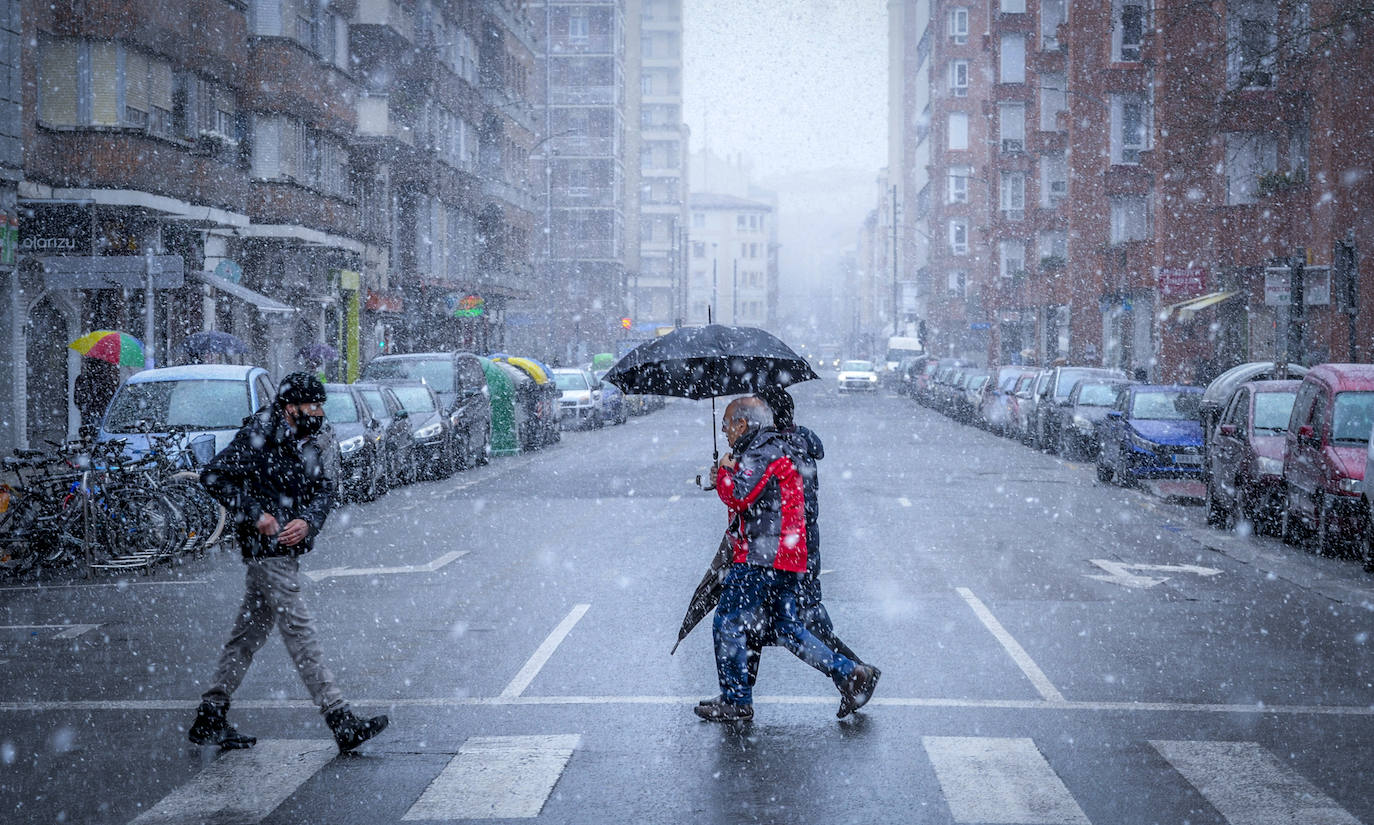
(1268, 466)
(429, 431)
(1350, 485)
(350, 445)
(872, 379)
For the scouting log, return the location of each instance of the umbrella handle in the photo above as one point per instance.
(715, 449)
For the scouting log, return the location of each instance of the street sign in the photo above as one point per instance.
(229, 271)
(980, 325)
(1278, 284)
(113, 271)
(1183, 282)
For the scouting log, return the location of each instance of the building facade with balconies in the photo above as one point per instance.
(655, 299)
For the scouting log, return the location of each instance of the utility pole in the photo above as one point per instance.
(734, 291)
(896, 310)
(1295, 310)
(715, 283)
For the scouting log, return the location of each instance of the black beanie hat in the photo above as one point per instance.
(300, 388)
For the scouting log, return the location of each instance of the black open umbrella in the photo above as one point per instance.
(213, 341)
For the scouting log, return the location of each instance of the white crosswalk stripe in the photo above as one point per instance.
(994, 780)
(243, 786)
(497, 777)
(1250, 786)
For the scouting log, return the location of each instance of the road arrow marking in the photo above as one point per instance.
(68, 631)
(429, 567)
(1120, 572)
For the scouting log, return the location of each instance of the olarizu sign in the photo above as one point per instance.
(55, 229)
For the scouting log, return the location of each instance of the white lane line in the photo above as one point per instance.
(242, 787)
(69, 631)
(1250, 786)
(904, 501)
(179, 705)
(674, 498)
(497, 777)
(1000, 781)
(1018, 654)
(427, 567)
(121, 584)
(543, 653)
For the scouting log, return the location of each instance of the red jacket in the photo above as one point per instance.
(766, 492)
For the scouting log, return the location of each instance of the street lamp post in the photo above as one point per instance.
(715, 283)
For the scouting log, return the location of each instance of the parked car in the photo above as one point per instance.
(1054, 396)
(1244, 455)
(361, 441)
(968, 402)
(399, 441)
(614, 407)
(1019, 403)
(1325, 450)
(196, 400)
(1080, 419)
(922, 386)
(1152, 431)
(995, 408)
(1218, 392)
(857, 375)
(580, 402)
(434, 448)
(461, 385)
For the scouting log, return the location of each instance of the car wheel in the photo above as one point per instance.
(1065, 447)
(624, 414)
(1366, 544)
(1291, 528)
(1217, 513)
(482, 456)
(1104, 473)
(1326, 542)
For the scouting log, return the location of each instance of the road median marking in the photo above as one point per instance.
(543, 653)
(1017, 653)
(427, 567)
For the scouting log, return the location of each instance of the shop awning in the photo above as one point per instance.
(1186, 309)
(261, 302)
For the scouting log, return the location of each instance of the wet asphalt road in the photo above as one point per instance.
(1186, 676)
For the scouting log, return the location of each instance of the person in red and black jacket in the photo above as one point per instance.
(759, 481)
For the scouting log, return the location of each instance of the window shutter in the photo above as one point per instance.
(104, 83)
(267, 142)
(267, 15)
(57, 81)
(160, 95)
(136, 89)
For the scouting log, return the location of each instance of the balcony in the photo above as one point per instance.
(387, 17)
(592, 44)
(583, 95)
(376, 120)
(516, 196)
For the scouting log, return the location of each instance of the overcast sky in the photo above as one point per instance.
(793, 84)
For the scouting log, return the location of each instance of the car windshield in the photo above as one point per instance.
(375, 404)
(1067, 378)
(1096, 395)
(414, 399)
(567, 381)
(1165, 405)
(340, 409)
(435, 372)
(1352, 418)
(193, 404)
(857, 366)
(1272, 410)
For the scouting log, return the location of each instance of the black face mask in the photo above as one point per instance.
(307, 425)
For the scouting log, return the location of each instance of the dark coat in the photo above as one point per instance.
(807, 450)
(766, 491)
(265, 469)
(94, 389)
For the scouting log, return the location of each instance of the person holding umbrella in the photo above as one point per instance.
(759, 482)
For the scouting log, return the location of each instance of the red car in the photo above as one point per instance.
(1324, 455)
(1245, 455)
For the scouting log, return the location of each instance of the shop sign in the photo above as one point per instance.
(469, 306)
(1182, 282)
(54, 229)
(1316, 286)
(382, 302)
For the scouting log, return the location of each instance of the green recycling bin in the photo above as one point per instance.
(504, 437)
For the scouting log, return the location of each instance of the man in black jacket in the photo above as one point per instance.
(276, 481)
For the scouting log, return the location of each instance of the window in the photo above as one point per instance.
(958, 25)
(1013, 59)
(1130, 128)
(1248, 156)
(1128, 29)
(1053, 244)
(1251, 43)
(1013, 196)
(1012, 122)
(1012, 258)
(1051, 16)
(1013, 6)
(954, 283)
(1053, 100)
(958, 131)
(741, 221)
(698, 220)
(579, 27)
(103, 83)
(958, 78)
(1130, 218)
(1054, 179)
(958, 184)
(958, 236)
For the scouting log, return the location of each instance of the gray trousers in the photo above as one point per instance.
(273, 596)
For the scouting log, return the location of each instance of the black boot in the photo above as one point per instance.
(856, 690)
(211, 728)
(351, 731)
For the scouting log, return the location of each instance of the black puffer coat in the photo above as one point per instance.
(265, 469)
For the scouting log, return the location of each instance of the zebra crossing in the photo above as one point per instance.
(983, 780)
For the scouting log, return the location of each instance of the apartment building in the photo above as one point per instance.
(589, 211)
(12, 403)
(655, 298)
(731, 264)
(353, 174)
(1118, 184)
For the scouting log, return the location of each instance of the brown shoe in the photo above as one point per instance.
(857, 689)
(719, 710)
